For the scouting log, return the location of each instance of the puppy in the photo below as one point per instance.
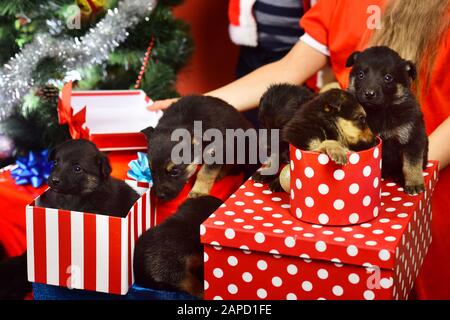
(211, 113)
(14, 284)
(381, 81)
(80, 181)
(170, 255)
(277, 106)
(332, 123)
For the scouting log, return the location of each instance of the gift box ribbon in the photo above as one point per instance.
(140, 169)
(76, 122)
(32, 169)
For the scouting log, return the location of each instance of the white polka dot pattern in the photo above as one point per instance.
(258, 253)
(330, 194)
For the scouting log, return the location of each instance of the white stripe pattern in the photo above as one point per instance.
(30, 243)
(102, 253)
(76, 280)
(52, 246)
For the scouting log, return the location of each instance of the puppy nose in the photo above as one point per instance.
(161, 194)
(55, 181)
(370, 94)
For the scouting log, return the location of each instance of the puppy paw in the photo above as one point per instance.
(412, 190)
(336, 154)
(196, 194)
(339, 156)
(261, 178)
(275, 185)
(334, 150)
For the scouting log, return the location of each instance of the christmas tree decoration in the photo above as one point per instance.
(48, 92)
(32, 169)
(140, 169)
(285, 179)
(148, 53)
(90, 9)
(6, 147)
(40, 49)
(91, 49)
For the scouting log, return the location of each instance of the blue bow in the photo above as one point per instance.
(32, 169)
(139, 169)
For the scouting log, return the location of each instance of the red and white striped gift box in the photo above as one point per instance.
(82, 250)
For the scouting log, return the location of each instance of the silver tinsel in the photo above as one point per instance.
(93, 48)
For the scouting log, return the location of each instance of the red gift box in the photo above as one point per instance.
(255, 249)
(326, 193)
(83, 250)
(112, 119)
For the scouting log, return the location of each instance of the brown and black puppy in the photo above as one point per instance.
(332, 123)
(277, 106)
(80, 181)
(381, 80)
(169, 176)
(170, 255)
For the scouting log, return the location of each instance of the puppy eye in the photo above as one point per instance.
(361, 75)
(362, 119)
(55, 163)
(77, 168)
(388, 78)
(175, 172)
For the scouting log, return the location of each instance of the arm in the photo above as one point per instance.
(296, 67)
(439, 148)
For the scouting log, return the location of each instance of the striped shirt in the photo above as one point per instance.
(278, 23)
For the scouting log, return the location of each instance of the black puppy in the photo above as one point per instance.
(381, 80)
(332, 123)
(80, 181)
(277, 106)
(170, 176)
(14, 284)
(170, 255)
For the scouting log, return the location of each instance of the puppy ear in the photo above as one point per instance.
(52, 154)
(410, 69)
(148, 132)
(332, 108)
(104, 165)
(352, 59)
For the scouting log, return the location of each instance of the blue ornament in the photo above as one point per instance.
(33, 169)
(140, 169)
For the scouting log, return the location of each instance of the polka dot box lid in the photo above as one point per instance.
(254, 218)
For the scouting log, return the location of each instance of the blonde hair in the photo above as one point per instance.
(416, 30)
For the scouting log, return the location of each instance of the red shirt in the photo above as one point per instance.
(339, 27)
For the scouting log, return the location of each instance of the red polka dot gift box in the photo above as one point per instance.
(255, 249)
(326, 193)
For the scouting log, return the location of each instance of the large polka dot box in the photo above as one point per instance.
(326, 193)
(255, 249)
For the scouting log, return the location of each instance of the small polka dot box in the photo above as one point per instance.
(255, 249)
(325, 193)
(82, 250)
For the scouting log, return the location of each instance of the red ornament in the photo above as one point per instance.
(145, 63)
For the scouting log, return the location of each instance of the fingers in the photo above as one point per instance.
(161, 104)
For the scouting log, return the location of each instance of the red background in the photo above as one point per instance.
(214, 59)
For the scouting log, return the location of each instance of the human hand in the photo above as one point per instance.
(162, 104)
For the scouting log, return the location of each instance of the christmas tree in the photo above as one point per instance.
(99, 44)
